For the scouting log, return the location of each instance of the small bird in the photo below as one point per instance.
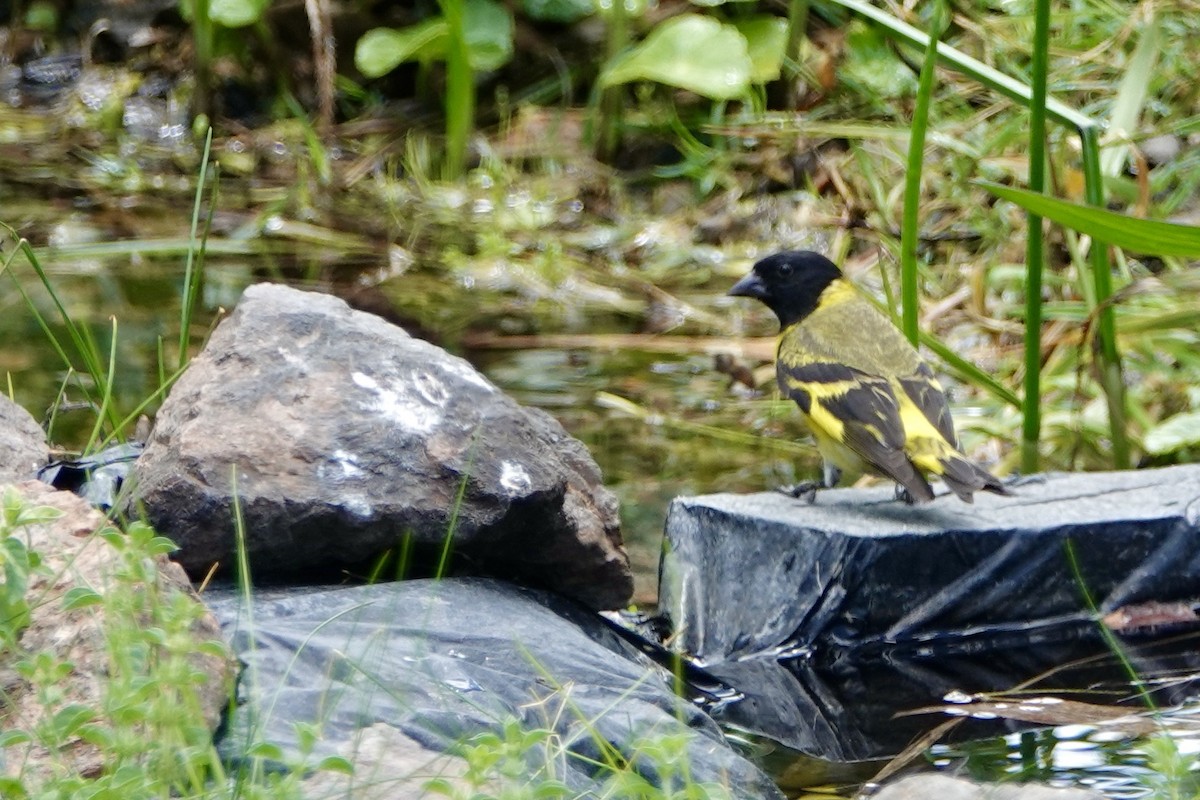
(868, 397)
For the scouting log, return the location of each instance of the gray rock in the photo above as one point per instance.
(74, 557)
(444, 662)
(23, 446)
(862, 572)
(945, 787)
(347, 435)
(387, 765)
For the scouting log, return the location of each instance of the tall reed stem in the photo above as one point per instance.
(909, 226)
(1111, 374)
(1034, 248)
(460, 89)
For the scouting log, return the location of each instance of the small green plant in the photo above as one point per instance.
(499, 766)
(470, 36)
(1170, 775)
(19, 562)
(147, 727)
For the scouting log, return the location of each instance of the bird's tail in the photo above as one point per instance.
(965, 478)
(906, 475)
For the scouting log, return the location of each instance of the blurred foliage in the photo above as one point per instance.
(489, 37)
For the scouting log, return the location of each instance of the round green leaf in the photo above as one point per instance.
(236, 13)
(81, 597)
(488, 29)
(766, 38)
(689, 52)
(381, 50)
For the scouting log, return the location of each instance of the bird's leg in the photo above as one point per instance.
(804, 489)
(833, 475)
(808, 489)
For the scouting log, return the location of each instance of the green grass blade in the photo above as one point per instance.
(611, 98)
(1111, 378)
(443, 566)
(106, 395)
(1035, 256)
(910, 222)
(191, 269)
(797, 26)
(132, 417)
(1131, 96)
(969, 372)
(1129, 233)
(956, 59)
(79, 339)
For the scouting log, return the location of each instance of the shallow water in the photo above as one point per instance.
(610, 323)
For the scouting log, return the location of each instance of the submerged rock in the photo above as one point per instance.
(946, 787)
(341, 436)
(23, 447)
(532, 678)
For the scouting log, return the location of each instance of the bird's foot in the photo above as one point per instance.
(905, 495)
(1017, 479)
(805, 489)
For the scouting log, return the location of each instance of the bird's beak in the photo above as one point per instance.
(749, 286)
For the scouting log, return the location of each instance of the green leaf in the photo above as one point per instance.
(381, 50)
(265, 750)
(99, 735)
(236, 13)
(81, 597)
(14, 737)
(336, 764)
(870, 67)
(68, 720)
(1175, 433)
(766, 39)
(488, 29)
(1129, 233)
(559, 10)
(1131, 96)
(37, 515)
(689, 52)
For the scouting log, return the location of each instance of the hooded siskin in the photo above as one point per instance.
(869, 399)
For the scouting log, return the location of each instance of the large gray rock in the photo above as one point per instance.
(444, 663)
(347, 435)
(388, 765)
(23, 446)
(862, 573)
(73, 555)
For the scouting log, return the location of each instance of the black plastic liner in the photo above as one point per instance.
(446, 660)
(834, 617)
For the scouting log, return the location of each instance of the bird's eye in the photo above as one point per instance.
(785, 269)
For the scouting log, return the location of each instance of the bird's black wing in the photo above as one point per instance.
(858, 410)
(924, 390)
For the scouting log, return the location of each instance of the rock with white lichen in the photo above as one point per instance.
(342, 438)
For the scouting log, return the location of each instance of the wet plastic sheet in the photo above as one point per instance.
(445, 660)
(834, 618)
(96, 478)
(862, 573)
